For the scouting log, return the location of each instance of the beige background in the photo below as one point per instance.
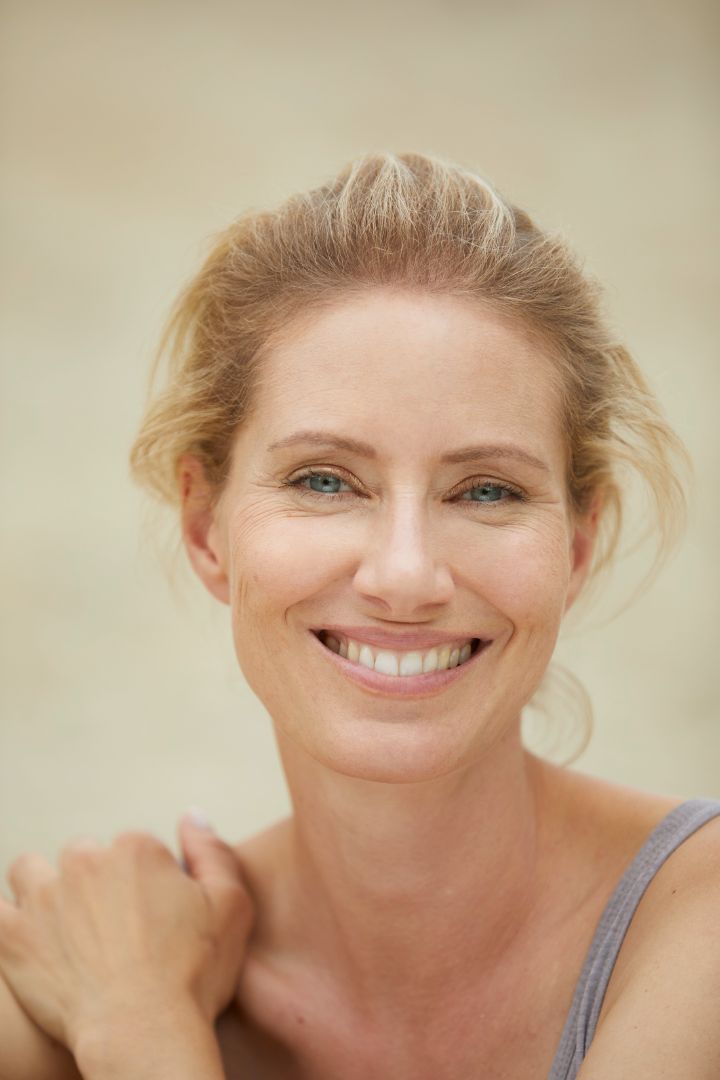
(132, 131)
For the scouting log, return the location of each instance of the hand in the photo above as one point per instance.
(123, 931)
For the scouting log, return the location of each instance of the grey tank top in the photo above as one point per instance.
(587, 1001)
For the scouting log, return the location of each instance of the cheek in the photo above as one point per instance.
(276, 560)
(524, 572)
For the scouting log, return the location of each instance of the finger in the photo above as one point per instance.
(216, 868)
(11, 930)
(27, 873)
(208, 858)
(79, 851)
(9, 913)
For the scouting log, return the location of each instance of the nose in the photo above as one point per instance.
(401, 569)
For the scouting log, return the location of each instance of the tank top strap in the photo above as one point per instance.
(590, 989)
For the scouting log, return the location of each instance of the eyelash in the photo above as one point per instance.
(476, 482)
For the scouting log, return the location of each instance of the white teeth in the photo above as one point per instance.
(410, 664)
(396, 663)
(366, 657)
(387, 663)
(430, 662)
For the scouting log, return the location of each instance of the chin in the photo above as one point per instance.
(398, 753)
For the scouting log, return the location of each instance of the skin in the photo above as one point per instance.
(429, 904)
(116, 963)
(404, 553)
(406, 812)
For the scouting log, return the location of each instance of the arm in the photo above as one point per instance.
(174, 1043)
(122, 958)
(661, 1020)
(26, 1052)
(168, 1043)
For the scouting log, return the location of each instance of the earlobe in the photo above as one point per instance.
(200, 529)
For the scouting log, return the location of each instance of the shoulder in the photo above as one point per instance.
(661, 1014)
(263, 857)
(26, 1053)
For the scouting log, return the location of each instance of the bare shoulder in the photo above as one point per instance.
(661, 1014)
(26, 1052)
(263, 859)
(264, 843)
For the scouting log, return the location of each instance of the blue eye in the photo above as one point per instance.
(325, 481)
(323, 487)
(488, 489)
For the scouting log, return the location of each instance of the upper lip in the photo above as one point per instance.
(406, 639)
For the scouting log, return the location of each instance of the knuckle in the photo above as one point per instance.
(80, 852)
(130, 838)
(136, 842)
(28, 875)
(19, 865)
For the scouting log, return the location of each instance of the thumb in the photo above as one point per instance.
(208, 858)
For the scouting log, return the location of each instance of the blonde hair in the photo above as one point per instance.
(425, 223)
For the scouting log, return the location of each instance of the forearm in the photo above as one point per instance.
(173, 1044)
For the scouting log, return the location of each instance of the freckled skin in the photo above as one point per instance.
(416, 376)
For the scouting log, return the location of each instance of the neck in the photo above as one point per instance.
(420, 887)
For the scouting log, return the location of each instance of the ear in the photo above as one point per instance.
(582, 547)
(200, 530)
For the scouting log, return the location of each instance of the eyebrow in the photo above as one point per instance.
(362, 449)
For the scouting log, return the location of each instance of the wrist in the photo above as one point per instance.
(159, 1042)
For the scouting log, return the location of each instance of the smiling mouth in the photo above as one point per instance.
(400, 663)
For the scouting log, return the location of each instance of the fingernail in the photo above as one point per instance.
(198, 817)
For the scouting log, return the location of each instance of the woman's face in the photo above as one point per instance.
(395, 537)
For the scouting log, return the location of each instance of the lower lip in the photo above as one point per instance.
(400, 685)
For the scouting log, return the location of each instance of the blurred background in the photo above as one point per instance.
(131, 132)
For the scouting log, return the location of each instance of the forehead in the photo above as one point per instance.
(411, 372)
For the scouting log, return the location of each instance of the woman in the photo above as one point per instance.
(397, 431)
